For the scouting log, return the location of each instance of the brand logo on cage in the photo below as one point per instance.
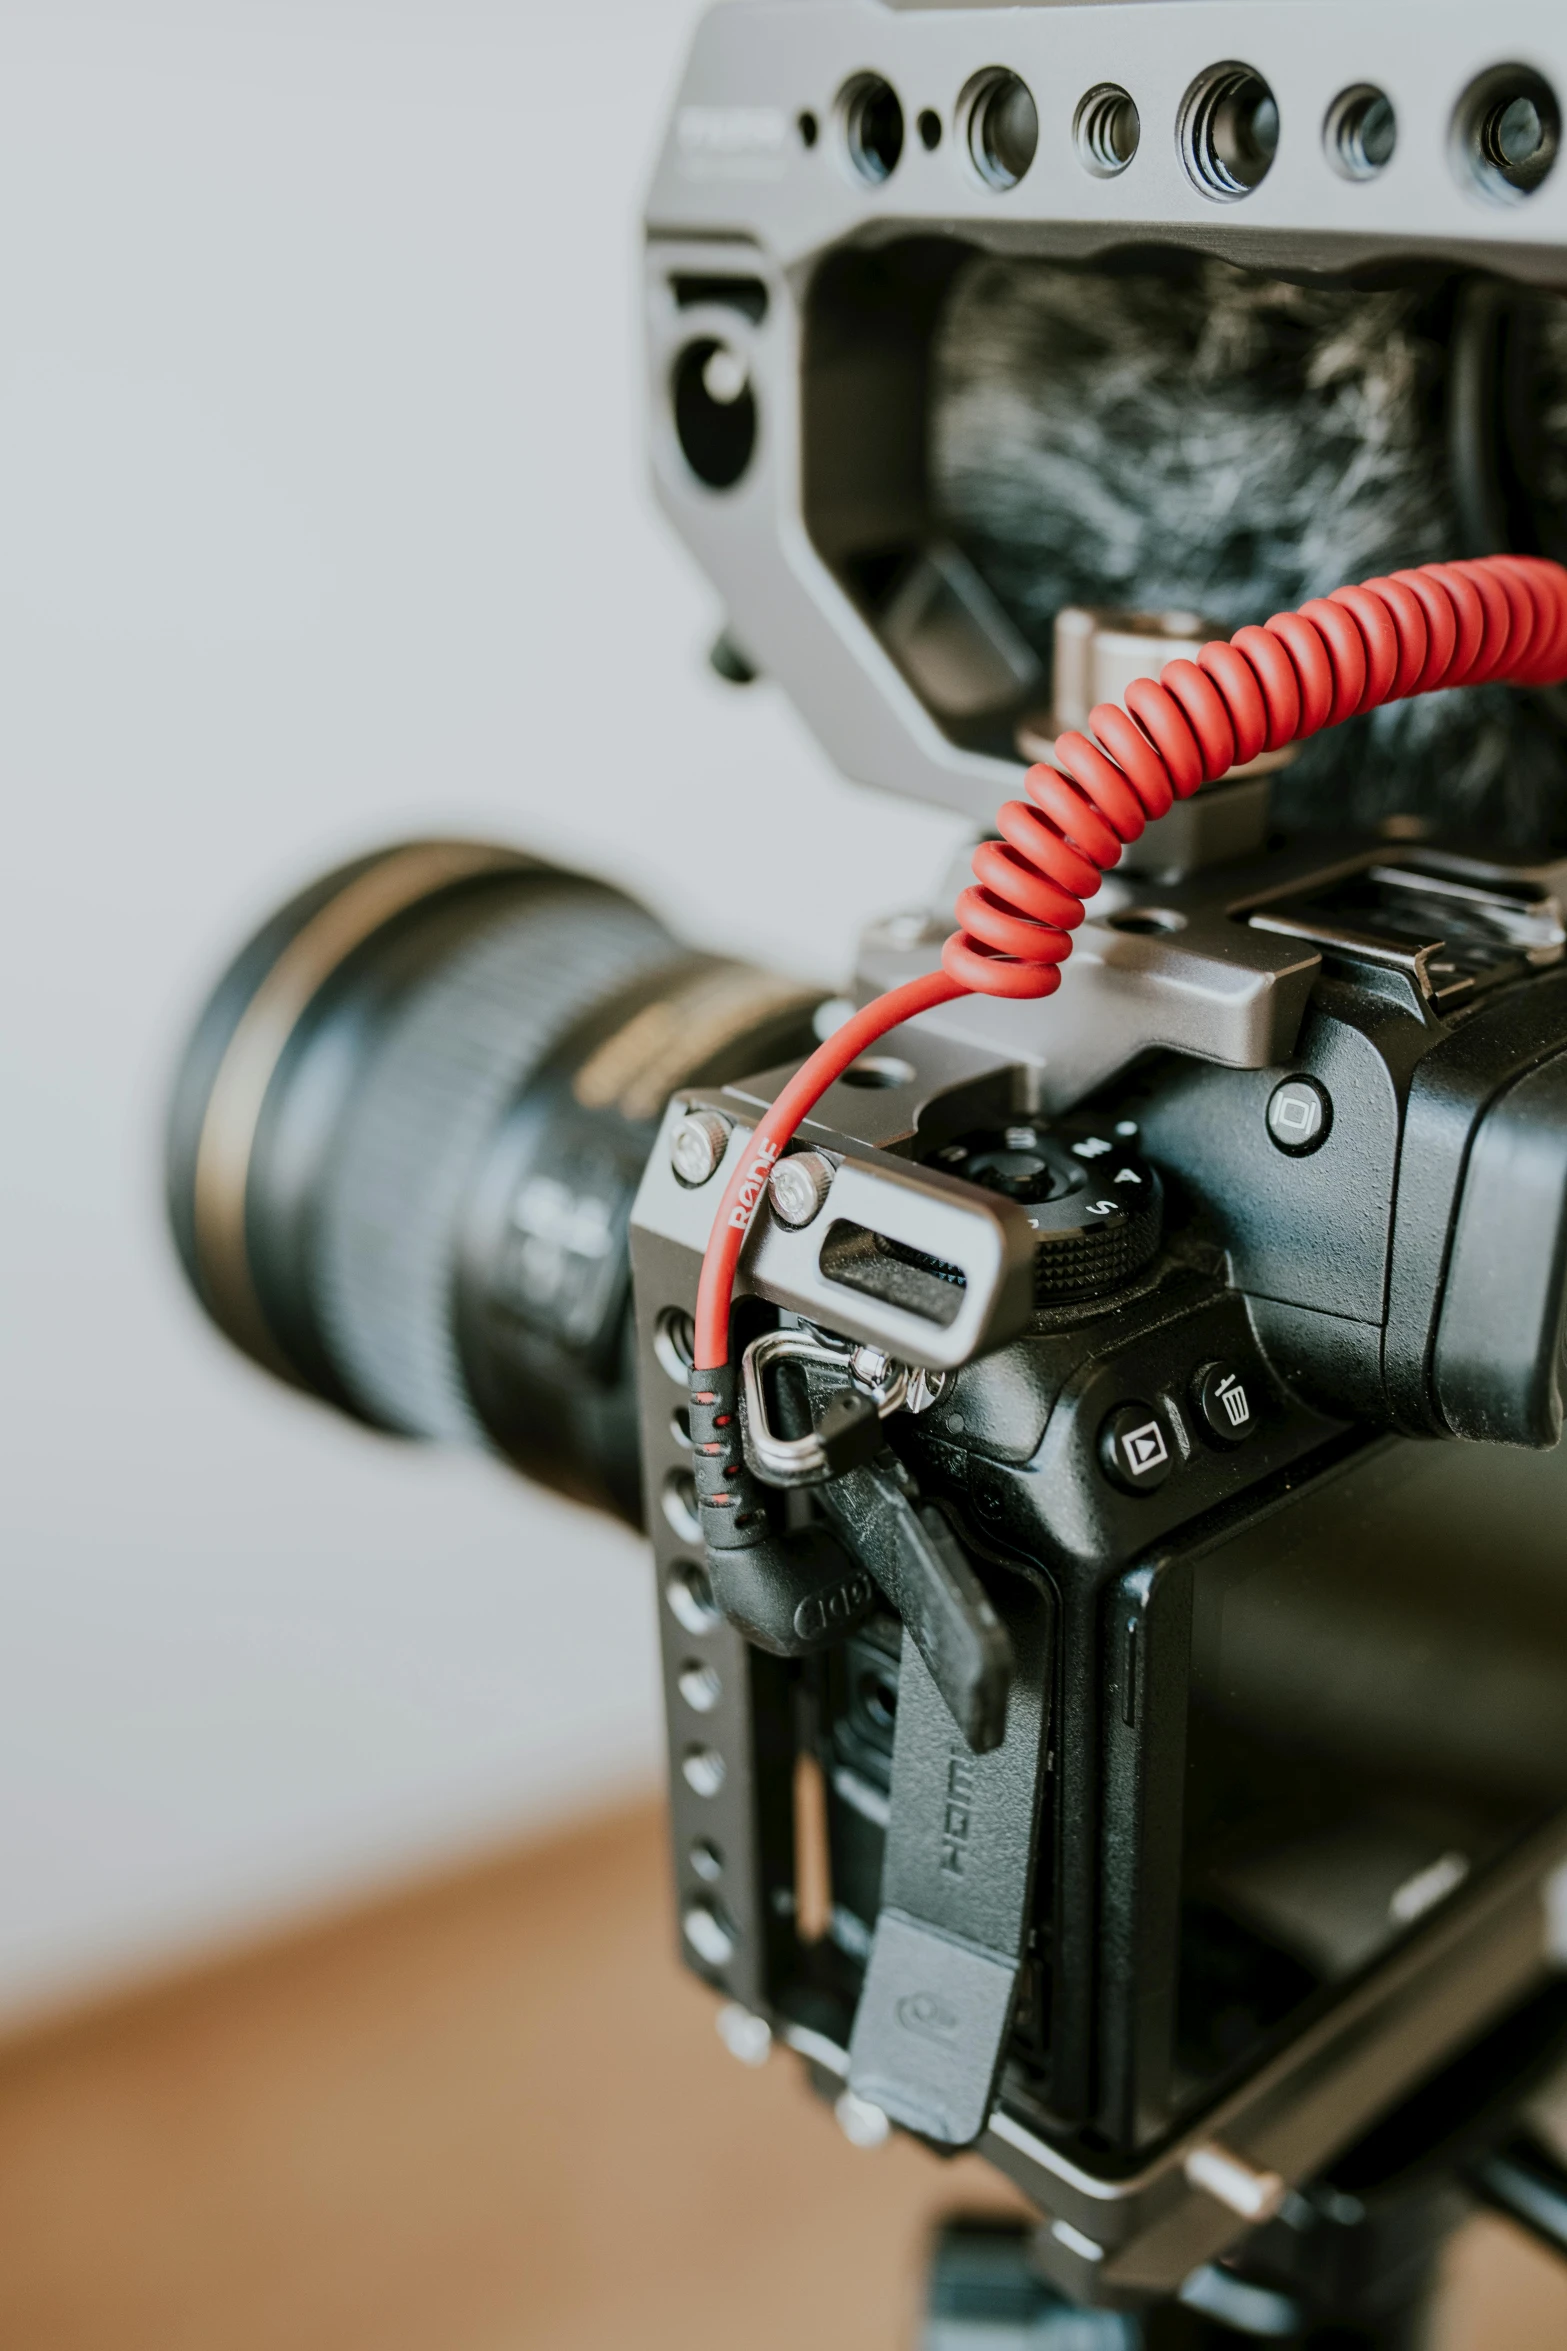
(753, 1186)
(730, 130)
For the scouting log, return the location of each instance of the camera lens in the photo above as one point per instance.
(407, 1131)
(1506, 132)
(1003, 129)
(1229, 131)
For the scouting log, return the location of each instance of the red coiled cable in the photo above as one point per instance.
(1501, 619)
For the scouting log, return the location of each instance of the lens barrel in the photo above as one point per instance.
(406, 1134)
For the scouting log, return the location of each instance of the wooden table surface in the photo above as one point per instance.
(490, 2115)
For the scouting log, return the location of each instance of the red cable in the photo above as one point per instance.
(1500, 619)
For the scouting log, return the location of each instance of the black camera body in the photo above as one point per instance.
(1286, 1726)
(970, 412)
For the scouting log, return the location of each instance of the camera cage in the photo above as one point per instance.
(827, 172)
(802, 277)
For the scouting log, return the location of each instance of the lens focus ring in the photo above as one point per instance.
(423, 1110)
(408, 1131)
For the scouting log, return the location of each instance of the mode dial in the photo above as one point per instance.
(1094, 1201)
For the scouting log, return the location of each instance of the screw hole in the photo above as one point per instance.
(1002, 123)
(1229, 131)
(875, 1070)
(1361, 132)
(690, 1597)
(700, 1686)
(679, 1500)
(929, 126)
(710, 1933)
(707, 1861)
(807, 126)
(1106, 129)
(715, 412)
(1506, 132)
(1150, 922)
(702, 1769)
(872, 128)
(674, 1343)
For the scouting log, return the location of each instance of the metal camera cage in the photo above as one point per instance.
(766, 241)
(813, 283)
(765, 244)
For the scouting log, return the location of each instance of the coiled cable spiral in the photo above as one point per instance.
(1500, 619)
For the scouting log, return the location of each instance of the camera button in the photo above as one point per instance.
(1299, 1115)
(1134, 1446)
(1226, 1401)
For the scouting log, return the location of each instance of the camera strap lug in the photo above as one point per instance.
(941, 1988)
(846, 1413)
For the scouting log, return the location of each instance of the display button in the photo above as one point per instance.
(1299, 1115)
(1227, 1402)
(1134, 1445)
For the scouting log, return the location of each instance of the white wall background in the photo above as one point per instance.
(322, 519)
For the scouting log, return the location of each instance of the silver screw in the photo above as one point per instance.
(697, 1146)
(748, 2037)
(870, 1366)
(861, 2123)
(799, 1186)
(725, 376)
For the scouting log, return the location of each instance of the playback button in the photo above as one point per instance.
(1135, 1447)
(1227, 1401)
